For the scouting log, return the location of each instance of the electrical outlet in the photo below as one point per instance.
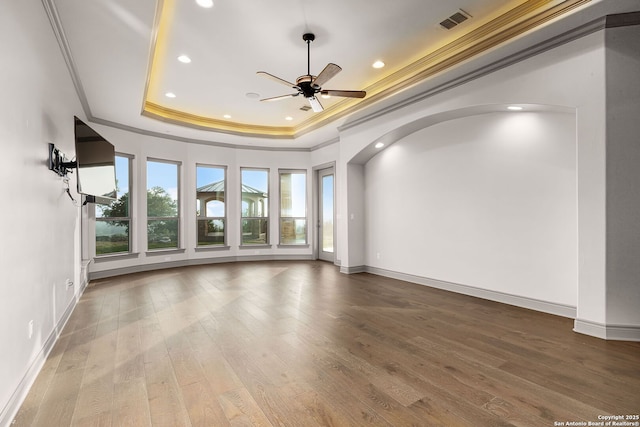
(377, 255)
(30, 328)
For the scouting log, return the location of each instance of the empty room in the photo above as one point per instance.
(305, 213)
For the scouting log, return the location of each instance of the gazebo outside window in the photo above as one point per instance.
(255, 206)
(210, 205)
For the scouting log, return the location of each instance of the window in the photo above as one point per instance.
(293, 207)
(113, 222)
(162, 205)
(210, 205)
(255, 206)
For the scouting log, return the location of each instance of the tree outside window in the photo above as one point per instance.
(113, 221)
(162, 205)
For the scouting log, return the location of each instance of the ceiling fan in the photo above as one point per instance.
(309, 85)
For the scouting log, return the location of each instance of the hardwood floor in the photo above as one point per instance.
(299, 344)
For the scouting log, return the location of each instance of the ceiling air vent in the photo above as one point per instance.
(457, 18)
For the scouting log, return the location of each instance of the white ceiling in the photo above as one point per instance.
(122, 51)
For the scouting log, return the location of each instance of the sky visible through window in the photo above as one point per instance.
(208, 175)
(327, 196)
(122, 175)
(163, 175)
(298, 195)
(122, 181)
(257, 179)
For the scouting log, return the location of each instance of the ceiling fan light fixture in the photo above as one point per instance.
(205, 3)
(315, 104)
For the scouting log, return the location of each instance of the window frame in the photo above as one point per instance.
(129, 218)
(306, 210)
(178, 216)
(224, 219)
(267, 210)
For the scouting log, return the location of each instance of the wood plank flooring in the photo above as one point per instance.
(299, 344)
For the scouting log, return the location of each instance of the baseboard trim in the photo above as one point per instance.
(9, 412)
(353, 270)
(607, 332)
(190, 262)
(501, 297)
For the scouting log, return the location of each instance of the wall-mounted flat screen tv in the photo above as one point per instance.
(95, 159)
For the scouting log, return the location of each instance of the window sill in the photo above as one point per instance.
(293, 246)
(255, 246)
(212, 248)
(164, 252)
(115, 257)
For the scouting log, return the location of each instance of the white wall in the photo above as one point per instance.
(555, 78)
(40, 225)
(487, 201)
(623, 175)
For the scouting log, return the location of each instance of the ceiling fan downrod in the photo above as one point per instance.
(308, 37)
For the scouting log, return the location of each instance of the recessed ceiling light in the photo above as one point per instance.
(170, 95)
(379, 145)
(252, 95)
(227, 116)
(514, 108)
(378, 64)
(184, 59)
(205, 3)
(288, 118)
(325, 96)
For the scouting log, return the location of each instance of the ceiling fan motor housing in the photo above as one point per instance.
(306, 86)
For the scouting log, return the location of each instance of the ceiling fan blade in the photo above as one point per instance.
(278, 98)
(315, 104)
(277, 79)
(327, 74)
(345, 93)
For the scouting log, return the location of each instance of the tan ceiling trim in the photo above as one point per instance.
(513, 23)
(170, 115)
(157, 24)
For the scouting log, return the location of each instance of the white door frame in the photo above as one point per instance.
(318, 173)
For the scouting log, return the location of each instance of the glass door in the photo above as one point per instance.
(326, 187)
